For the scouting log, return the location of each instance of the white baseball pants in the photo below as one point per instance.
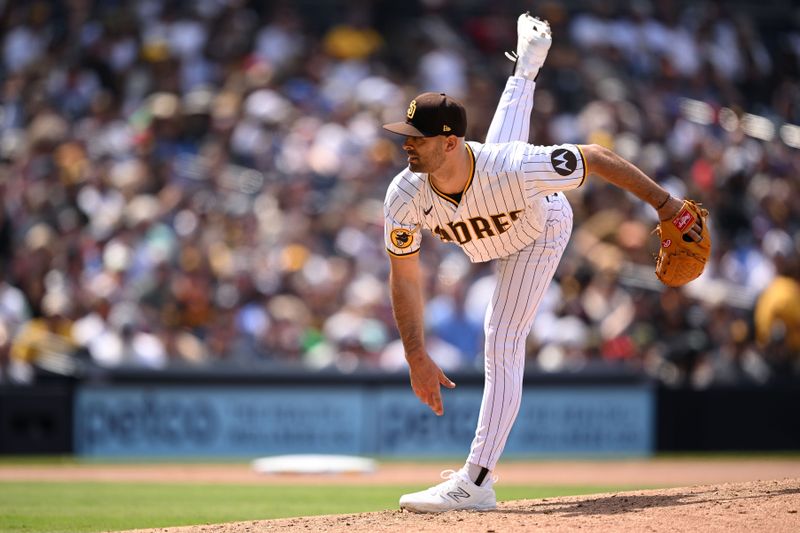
(522, 279)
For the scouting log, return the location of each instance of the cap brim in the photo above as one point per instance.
(403, 128)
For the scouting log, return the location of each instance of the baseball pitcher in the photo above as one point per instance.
(502, 201)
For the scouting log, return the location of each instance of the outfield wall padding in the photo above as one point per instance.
(228, 413)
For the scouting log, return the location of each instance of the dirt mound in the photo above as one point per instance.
(758, 506)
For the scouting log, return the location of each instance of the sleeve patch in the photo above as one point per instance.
(564, 161)
(402, 238)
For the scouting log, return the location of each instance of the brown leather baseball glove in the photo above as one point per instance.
(680, 259)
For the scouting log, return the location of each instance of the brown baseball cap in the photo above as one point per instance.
(432, 114)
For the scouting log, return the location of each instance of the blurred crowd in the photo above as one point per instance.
(187, 184)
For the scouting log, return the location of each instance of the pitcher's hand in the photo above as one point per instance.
(671, 208)
(426, 378)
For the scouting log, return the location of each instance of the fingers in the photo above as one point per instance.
(696, 233)
(426, 383)
(444, 380)
(432, 399)
(435, 403)
(435, 399)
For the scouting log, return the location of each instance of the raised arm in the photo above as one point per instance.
(405, 283)
(616, 170)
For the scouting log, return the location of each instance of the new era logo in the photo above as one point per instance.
(683, 220)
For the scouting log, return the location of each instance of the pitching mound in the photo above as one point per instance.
(759, 506)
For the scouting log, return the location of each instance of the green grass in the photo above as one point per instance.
(83, 507)
(445, 459)
(27, 507)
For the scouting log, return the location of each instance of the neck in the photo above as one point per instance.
(452, 176)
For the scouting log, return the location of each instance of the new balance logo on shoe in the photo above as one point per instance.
(460, 493)
(450, 495)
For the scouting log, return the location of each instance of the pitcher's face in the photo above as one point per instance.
(425, 154)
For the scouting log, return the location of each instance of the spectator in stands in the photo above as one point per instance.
(777, 317)
(201, 181)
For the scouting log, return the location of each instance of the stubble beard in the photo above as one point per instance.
(427, 167)
(417, 167)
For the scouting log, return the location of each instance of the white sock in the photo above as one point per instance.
(474, 472)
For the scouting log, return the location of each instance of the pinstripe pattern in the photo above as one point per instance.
(502, 210)
(522, 280)
(506, 179)
(512, 119)
(511, 211)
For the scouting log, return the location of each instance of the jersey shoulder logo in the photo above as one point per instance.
(401, 238)
(564, 162)
(427, 211)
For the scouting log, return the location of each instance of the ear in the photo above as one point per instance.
(450, 143)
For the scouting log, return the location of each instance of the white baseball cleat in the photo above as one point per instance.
(456, 493)
(533, 43)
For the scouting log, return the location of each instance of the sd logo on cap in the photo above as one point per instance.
(432, 114)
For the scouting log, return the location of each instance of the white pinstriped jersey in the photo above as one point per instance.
(502, 208)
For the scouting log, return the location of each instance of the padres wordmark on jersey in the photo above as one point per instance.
(510, 211)
(502, 208)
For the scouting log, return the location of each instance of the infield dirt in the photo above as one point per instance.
(727, 495)
(755, 506)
